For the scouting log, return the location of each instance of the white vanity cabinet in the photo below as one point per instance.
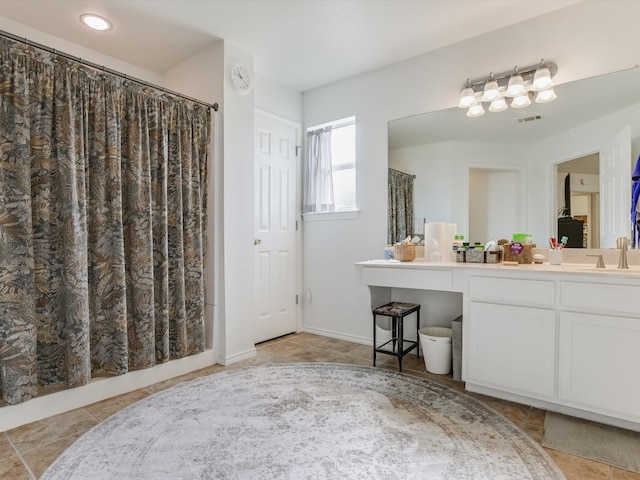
(511, 335)
(599, 355)
(560, 337)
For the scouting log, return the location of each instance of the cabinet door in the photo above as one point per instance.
(599, 364)
(511, 348)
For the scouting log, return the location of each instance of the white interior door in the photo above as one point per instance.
(615, 189)
(275, 227)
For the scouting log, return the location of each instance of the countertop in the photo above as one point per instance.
(568, 268)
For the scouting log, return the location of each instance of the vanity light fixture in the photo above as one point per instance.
(521, 101)
(467, 97)
(546, 96)
(516, 85)
(491, 90)
(476, 110)
(96, 22)
(509, 89)
(499, 104)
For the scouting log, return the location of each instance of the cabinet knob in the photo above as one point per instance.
(257, 241)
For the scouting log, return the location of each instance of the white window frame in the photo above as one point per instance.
(337, 214)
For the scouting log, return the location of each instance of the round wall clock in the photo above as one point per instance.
(242, 78)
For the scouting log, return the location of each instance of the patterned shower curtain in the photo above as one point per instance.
(400, 205)
(102, 223)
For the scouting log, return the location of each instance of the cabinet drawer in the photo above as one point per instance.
(408, 278)
(601, 297)
(514, 291)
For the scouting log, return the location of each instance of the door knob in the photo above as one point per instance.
(257, 241)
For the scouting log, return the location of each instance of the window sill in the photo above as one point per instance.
(317, 216)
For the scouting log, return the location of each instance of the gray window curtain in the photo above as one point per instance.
(318, 179)
(102, 223)
(400, 205)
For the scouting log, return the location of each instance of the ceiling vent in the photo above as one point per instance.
(533, 118)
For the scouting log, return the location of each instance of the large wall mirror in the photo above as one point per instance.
(506, 172)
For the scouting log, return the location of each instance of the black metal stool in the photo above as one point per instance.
(397, 311)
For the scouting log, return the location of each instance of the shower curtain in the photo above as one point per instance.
(400, 205)
(102, 223)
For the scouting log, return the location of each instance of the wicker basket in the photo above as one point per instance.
(405, 252)
(525, 256)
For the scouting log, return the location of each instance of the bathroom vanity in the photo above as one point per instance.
(561, 337)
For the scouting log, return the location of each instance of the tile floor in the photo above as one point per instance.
(25, 452)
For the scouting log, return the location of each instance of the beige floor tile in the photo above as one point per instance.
(12, 469)
(51, 429)
(336, 345)
(577, 468)
(361, 351)
(6, 450)
(40, 443)
(305, 339)
(518, 414)
(104, 409)
(38, 459)
(534, 426)
(208, 370)
(158, 387)
(619, 474)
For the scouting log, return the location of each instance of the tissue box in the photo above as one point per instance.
(525, 256)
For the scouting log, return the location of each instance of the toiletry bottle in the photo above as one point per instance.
(388, 252)
(457, 244)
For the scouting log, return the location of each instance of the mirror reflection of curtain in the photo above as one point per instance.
(400, 205)
(102, 223)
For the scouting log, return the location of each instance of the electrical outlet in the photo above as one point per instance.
(307, 296)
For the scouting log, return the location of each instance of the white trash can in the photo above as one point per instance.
(436, 349)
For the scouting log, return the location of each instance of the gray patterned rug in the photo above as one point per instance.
(306, 421)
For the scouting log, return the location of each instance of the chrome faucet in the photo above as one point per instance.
(623, 244)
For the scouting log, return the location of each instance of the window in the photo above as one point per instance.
(331, 187)
(343, 161)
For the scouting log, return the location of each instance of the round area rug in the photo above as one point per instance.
(306, 421)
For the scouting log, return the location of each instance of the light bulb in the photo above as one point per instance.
(498, 105)
(516, 86)
(545, 96)
(475, 111)
(467, 98)
(491, 91)
(521, 101)
(542, 79)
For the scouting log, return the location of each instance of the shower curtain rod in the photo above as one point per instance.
(404, 173)
(102, 68)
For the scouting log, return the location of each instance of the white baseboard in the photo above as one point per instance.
(338, 335)
(12, 416)
(237, 357)
(554, 407)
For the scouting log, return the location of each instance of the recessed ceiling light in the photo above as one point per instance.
(95, 21)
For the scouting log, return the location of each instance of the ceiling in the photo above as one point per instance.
(303, 44)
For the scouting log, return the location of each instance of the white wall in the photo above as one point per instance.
(279, 99)
(584, 40)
